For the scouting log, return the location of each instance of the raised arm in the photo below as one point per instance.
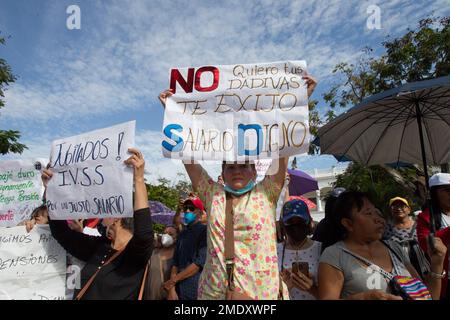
(282, 163)
(141, 245)
(280, 176)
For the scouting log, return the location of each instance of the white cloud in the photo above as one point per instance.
(121, 60)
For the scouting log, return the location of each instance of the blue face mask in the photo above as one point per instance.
(241, 191)
(189, 217)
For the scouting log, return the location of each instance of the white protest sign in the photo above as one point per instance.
(20, 190)
(262, 166)
(90, 179)
(237, 112)
(32, 265)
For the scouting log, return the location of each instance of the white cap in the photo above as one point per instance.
(440, 179)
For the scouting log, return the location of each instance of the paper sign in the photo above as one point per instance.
(32, 265)
(20, 190)
(90, 179)
(237, 112)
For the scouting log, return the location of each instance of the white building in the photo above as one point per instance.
(325, 179)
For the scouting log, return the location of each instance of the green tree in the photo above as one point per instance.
(382, 184)
(419, 54)
(9, 139)
(168, 193)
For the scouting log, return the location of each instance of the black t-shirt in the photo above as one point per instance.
(122, 278)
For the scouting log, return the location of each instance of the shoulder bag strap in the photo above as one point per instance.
(91, 279)
(229, 241)
(386, 274)
(413, 229)
(141, 291)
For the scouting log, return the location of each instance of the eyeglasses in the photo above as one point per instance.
(398, 205)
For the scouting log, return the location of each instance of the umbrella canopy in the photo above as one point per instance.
(385, 128)
(410, 123)
(301, 183)
(161, 213)
(311, 205)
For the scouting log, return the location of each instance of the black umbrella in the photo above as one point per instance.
(409, 123)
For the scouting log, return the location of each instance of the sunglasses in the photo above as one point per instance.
(189, 207)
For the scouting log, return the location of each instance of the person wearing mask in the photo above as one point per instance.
(298, 250)
(160, 264)
(190, 254)
(347, 269)
(128, 246)
(252, 273)
(440, 202)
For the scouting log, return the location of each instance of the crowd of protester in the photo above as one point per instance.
(228, 242)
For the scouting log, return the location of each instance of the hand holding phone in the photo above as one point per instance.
(302, 267)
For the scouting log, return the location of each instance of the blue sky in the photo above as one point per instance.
(111, 71)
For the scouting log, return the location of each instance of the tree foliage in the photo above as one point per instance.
(167, 192)
(384, 183)
(9, 139)
(420, 54)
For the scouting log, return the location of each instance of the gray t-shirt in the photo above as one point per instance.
(357, 276)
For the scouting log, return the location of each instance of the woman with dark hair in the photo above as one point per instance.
(324, 231)
(440, 202)
(38, 216)
(127, 246)
(359, 265)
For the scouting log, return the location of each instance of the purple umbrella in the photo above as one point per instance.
(161, 213)
(301, 183)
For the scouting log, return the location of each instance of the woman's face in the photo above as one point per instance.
(366, 223)
(171, 231)
(297, 230)
(443, 195)
(400, 210)
(237, 176)
(111, 224)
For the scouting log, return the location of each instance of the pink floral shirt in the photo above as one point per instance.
(256, 261)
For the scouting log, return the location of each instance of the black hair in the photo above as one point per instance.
(172, 226)
(343, 208)
(329, 206)
(37, 210)
(128, 224)
(436, 207)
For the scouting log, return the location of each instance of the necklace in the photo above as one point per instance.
(297, 248)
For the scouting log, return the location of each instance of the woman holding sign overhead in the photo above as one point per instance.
(115, 265)
(242, 260)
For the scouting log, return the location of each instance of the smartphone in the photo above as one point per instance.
(294, 267)
(302, 267)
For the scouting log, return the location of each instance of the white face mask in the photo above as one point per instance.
(166, 240)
